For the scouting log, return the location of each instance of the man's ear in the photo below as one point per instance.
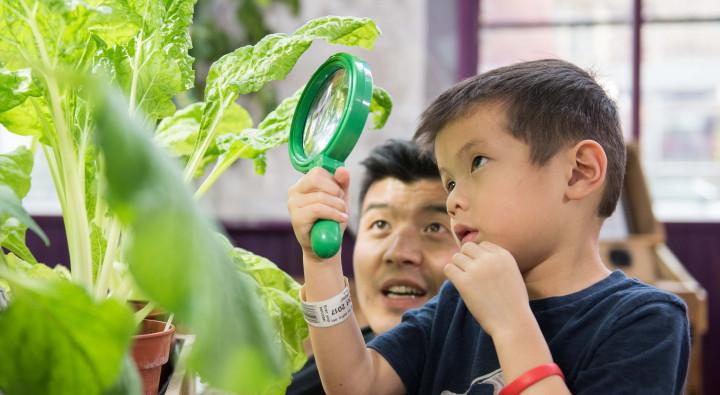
(588, 166)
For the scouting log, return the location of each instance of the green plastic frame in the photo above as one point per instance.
(357, 108)
(326, 235)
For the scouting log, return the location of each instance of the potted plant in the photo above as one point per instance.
(92, 85)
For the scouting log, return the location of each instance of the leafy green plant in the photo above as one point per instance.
(131, 220)
(211, 39)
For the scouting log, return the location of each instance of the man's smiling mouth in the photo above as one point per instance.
(403, 291)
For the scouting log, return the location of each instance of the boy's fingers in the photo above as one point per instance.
(322, 211)
(453, 273)
(470, 249)
(318, 182)
(320, 197)
(462, 261)
(318, 171)
(342, 176)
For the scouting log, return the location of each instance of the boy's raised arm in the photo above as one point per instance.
(346, 365)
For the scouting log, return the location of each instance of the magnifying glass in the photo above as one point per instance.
(328, 121)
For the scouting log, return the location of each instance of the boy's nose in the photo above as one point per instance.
(455, 202)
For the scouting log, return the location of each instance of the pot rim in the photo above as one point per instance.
(169, 331)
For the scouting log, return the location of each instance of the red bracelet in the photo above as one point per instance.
(531, 377)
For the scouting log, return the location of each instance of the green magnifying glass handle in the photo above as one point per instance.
(325, 238)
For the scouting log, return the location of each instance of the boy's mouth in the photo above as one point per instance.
(465, 233)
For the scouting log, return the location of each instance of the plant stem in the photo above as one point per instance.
(78, 232)
(142, 313)
(216, 172)
(199, 152)
(76, 225)
(113, 239)
(53, 165)
(169, 322)
(135, 71)
(101, 286)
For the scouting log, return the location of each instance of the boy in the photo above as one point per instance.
(532, 158)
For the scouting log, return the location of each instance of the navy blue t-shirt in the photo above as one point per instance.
(619, 336)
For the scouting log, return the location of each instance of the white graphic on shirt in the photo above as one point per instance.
(493, 378)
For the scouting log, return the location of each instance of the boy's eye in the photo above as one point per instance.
(450, 185)
(379, 224)
(478, 161)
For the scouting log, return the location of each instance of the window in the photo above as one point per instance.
(679, 99)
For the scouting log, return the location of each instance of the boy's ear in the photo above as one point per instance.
(588, 166)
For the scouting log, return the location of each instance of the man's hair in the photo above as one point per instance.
(400, 159)
(549, 104)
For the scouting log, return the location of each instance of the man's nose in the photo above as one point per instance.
(404, 248)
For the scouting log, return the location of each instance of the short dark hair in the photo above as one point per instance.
(400, 159)
(549, 104)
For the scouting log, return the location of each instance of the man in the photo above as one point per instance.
(403, 242)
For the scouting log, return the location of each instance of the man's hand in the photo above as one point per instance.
(318, 195)
(490, 283)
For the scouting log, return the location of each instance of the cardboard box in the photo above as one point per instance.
(643, 254)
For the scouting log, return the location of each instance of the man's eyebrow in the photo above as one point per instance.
(435, 208)
(375, 206)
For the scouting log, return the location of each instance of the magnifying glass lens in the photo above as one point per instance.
(325, 114)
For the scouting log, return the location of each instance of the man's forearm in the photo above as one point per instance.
(342, 358)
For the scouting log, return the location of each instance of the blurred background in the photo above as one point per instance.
(659, 59)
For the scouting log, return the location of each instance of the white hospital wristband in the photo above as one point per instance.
(328, 312)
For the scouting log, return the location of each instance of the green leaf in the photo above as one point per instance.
(128, 382)
(15, 169)
(12, 238)
(28, 118)
(55, 32)
(253, 143)
(281, 295)
(15, 87)
(380, 107)
(249, 68)
(274, 130)
(56, 320)
(178, 263)
(178, 133)
(10, 206)
(155, 65)
(98, 245)
(36, 271)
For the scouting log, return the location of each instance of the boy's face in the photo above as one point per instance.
(403, 242)
(495, 193)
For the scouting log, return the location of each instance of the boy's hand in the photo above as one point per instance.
(490, 283)
(318, 195)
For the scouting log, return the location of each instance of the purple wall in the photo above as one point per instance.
(697, 246)
(275, 241)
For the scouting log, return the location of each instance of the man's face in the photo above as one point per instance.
(495, 193)
(403, 243)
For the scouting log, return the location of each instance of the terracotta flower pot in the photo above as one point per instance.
(151, 350)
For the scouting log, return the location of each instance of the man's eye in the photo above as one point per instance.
(450, 185)
(380, 224)
(434, 228)
(478, 161)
